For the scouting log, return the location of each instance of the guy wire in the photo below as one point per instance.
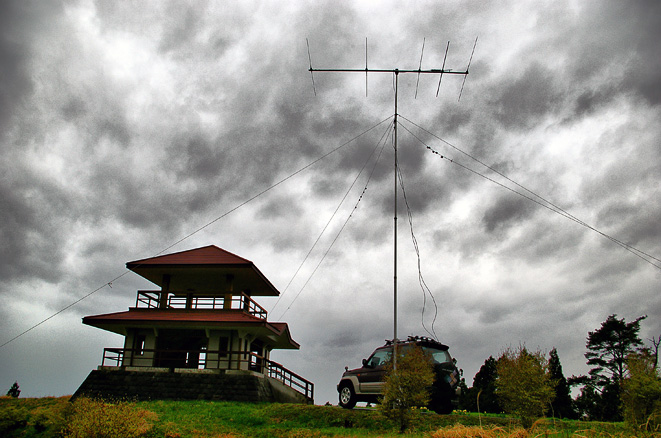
(388, 129)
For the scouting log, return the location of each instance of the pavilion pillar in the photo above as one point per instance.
(165, 290)
(229, 288)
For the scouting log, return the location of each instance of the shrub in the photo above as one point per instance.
(14, 391)
(524, 386)
(48, 418)
(461, 431)
(407, 386)
(641, 392)
(101, 419)
(12, 417)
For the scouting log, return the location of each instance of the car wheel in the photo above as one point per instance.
(347, 396)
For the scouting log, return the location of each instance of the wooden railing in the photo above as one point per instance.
(151, 300)
(207, 359)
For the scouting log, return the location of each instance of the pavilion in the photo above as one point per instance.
(200, 336)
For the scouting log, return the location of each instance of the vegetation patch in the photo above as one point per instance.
(57, 417)
(32, 416)
(101, 419)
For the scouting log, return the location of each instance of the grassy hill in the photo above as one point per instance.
(54, 417)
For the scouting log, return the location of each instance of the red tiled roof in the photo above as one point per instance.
(206, 269)
(181, 318)
(207, 255)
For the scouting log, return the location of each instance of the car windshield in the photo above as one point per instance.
(379, 358)
(439, 356)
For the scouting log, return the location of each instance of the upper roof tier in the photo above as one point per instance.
(204, 270)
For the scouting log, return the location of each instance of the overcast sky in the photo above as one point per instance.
(127, 126)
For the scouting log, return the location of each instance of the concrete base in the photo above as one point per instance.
(163, 384)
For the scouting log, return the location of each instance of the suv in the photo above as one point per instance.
(364, 384)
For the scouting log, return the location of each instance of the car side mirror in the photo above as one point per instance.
(366, 364)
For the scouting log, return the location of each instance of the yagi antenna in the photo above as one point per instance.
(395, 72)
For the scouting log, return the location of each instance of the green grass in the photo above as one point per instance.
(53, 417)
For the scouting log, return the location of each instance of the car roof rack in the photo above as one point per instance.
(422, 340)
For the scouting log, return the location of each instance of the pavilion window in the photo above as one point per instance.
(223, 346)
(139, 347)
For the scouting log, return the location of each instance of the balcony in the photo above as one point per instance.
(175, 300)
(206, 360)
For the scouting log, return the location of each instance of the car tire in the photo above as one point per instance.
(347, 396)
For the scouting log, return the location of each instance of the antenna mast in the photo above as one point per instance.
(396, 72)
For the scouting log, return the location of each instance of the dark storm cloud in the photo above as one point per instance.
(592, 100)
(449, 122)
(31, 244)
(548, 238)
(523, 101)
(507, 211)
(426, 192)
(345, 338)
(15, 81)
(182, 28)
(335, 126)
(365, 231)
(30, 203)
(634, 223)
(615, 193)
(611, 273)
(323, 186)
(197, 157)
(350, 328)
(279, 206)
(496, 312)
(618, 44)
(641, 25)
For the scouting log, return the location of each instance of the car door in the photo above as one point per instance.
(372, 374)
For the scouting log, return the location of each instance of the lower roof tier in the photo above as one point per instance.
(277, 332)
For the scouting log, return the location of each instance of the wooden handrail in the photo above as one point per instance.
(217, 301)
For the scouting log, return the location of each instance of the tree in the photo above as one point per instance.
(655, 350)
(14, 391)
(407, 386)
(641, 391)
(484, 387)
(587, 403)
(466, 398)
(562, 405)
(608, 348)
(524, 386)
